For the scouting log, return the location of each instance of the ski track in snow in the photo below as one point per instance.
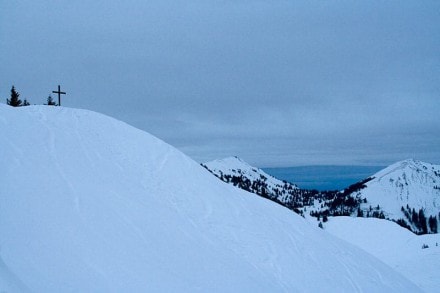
(9, 282)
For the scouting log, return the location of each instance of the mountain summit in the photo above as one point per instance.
(236, 171)
(409, 182)
(91, 204)
(404, 189)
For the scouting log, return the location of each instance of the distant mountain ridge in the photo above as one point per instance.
(243, 175)
(407, 192)
(237, 172)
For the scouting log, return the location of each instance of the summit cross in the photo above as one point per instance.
(59, 92)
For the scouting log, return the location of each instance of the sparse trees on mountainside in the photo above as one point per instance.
(418, 223)
(402, 223)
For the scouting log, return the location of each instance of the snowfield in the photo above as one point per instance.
(91, 204)
(415, 256)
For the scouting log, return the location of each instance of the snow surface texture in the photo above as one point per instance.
(409, 182)
(397, 247)
(91, 204)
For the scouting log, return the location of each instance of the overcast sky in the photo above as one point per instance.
(278, 83)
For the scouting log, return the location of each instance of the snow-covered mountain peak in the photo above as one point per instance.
(237, 166)
(241, 174)
(409, 184)
(232, 163)
(407, 167)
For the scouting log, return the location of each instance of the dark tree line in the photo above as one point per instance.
(15, 101)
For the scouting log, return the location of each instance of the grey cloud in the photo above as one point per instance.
(276, 82)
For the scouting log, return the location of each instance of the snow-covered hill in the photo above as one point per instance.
(236, 166)
(236, 171)
(91, 204)
(415, 256)
(408, 184)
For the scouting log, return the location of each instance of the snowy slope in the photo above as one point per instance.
(236, 166)
(397, 247)
(409, 182)
(91, 204)
(258, 181)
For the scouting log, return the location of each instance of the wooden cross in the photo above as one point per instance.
(59, 92)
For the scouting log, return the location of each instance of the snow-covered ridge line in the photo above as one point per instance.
(235, 165)
(236, 171)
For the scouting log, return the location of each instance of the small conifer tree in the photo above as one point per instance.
(14, 101)
(50, 101)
